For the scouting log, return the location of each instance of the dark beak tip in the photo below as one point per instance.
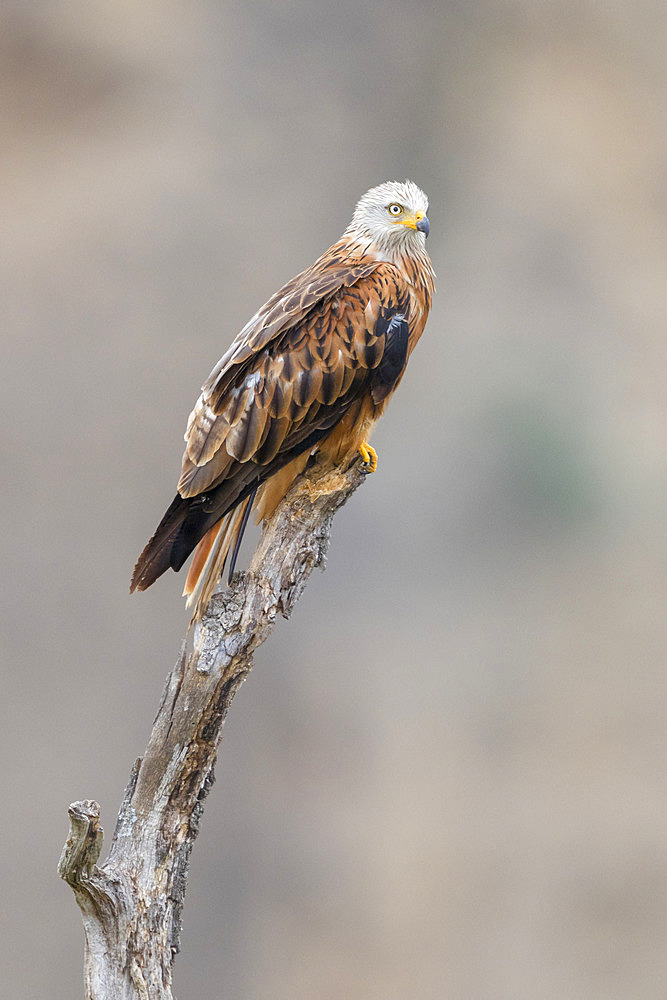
(424, 226)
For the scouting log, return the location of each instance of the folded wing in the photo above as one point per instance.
(333, 334)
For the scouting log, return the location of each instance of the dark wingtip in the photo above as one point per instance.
(138, 573)
(150, 565)
(156, 556)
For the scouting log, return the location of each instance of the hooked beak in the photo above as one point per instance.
(418, 221)
(423, 225)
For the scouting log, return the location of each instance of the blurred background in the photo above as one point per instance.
(446, 776)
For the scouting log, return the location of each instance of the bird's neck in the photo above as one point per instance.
(408, 254)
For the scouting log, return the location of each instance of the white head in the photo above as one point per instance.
(393, 216)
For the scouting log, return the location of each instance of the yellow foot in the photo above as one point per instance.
(369, 457)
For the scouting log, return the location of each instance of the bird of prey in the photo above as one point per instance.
(311, 372)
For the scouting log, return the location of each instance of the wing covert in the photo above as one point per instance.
(287, 308)
(301, 382)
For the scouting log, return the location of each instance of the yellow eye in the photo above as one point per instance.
(395, 209)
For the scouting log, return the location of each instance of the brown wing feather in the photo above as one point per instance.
(223, 399)
(295, 387)
(335, 270)
(292, 374)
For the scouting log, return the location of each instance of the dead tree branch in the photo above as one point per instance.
(132, 905)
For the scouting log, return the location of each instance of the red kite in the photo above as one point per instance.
(311, 372)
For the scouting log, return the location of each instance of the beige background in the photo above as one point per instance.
(446, 777)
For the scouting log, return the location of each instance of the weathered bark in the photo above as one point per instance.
(132, 905)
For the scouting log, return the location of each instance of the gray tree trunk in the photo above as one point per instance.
(132, 905)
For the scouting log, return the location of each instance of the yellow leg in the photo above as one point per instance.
(369, 456)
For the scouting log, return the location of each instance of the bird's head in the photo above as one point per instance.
(393, 215)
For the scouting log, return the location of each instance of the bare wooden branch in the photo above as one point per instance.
(132, 905)
(84, 843)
